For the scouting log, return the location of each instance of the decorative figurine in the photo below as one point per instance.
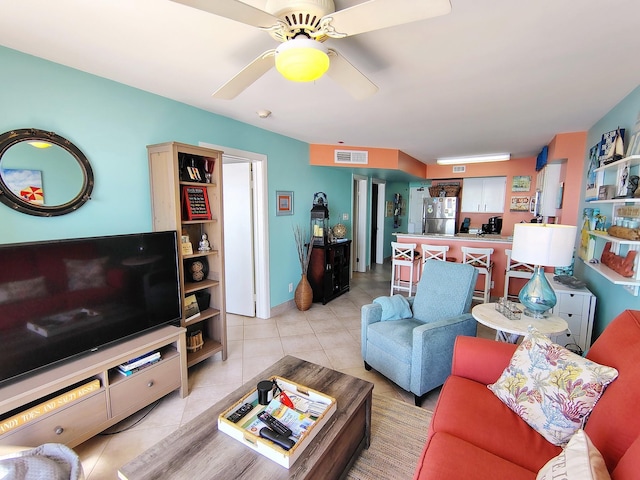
(204, 245)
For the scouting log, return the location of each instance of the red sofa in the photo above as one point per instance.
(474, 436)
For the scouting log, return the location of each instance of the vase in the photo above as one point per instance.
(304, 294)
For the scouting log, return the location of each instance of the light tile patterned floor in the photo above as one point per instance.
(325, 334)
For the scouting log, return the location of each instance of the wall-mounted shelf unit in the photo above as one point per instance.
(631, 284)
(170, 213)
(631, 162)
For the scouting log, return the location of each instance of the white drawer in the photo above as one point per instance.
(61, 426)
(570, 303)
(144, 387)
(575, 324)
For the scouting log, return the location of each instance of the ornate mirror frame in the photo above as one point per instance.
(8, 197)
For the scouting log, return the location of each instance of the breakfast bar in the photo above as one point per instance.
(499, 243)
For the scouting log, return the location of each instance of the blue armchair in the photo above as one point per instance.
(416, 352)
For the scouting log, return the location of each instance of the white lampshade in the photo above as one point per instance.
(302, 59)
(542, 244)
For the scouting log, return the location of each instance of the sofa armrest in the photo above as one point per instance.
(480, 359)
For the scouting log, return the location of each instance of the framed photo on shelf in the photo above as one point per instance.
(521, 183)
(519, 204)
(284, 203)
(195, 203)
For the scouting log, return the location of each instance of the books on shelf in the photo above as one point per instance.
(191, 309)
(127, 372)
(139, 361)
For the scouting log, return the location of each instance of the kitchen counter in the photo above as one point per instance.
(499, 243)
(457, 237)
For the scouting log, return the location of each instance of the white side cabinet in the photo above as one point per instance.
(577, 306)
(483, 195)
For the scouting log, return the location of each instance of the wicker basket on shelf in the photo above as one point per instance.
(194, 341)
(449, 190)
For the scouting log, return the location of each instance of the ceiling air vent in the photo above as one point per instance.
(459, 168)
(351, 156)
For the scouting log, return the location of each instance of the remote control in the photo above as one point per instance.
(240, 412)
(275, 424)
(284, 442)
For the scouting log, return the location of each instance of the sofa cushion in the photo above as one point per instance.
(580, 460)
(22, 290)
(551, 388)
(394, 308)
(85, 274)
(617, 409)
(468, 410)
(446, 457)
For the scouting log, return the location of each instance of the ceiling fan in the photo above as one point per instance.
(302, 25)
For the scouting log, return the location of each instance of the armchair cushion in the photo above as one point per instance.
(394, 307)
(441, 283)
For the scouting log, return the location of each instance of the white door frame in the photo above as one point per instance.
(380, 207)
(260, 224)
(360, 206)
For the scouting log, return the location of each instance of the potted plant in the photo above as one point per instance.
(303, 296)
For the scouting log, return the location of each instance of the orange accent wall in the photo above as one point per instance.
(572, 147)
(387, 158)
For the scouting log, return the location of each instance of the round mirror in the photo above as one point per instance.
(42, 173)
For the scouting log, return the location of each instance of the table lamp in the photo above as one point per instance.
(541, 245)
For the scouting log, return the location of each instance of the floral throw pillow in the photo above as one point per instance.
(551, 388)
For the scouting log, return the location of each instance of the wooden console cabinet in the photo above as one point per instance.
(117, 397)
(329, 270)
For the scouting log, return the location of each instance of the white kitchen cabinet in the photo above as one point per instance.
(483, 195)
(577, 306)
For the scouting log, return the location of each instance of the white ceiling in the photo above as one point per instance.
(492, 76)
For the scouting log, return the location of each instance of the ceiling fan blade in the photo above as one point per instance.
(378, 14)
(234, 10)
(349, 77)
(246, 76)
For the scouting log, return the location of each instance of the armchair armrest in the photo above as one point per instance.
(480, 359)
(369, 314)
(432, 350)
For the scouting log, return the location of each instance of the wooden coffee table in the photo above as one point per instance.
(198, 450)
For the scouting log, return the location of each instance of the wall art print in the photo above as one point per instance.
(26, 184)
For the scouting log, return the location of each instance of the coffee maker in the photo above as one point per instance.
(495, 225)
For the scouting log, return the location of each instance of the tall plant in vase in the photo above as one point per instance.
(303, 296)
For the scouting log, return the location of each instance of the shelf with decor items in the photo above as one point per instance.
(603, 181)
(631, 284)
(186, 192)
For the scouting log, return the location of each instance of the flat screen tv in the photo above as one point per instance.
(59, 299)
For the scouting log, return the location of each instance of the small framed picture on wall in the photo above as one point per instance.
(284, 203)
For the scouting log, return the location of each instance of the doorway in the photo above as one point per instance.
(360, 184)
(259, 251)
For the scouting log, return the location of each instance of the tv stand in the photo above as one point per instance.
(117, 397)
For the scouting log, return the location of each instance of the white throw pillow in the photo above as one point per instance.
(580, 460)
(551, 388)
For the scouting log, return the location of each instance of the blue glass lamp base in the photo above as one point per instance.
(537, 296)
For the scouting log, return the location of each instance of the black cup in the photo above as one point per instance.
(265, 392)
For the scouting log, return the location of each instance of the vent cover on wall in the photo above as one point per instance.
(459, 169)
(351, 156)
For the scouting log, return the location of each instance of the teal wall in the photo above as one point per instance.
(611, 299)
(112, 124)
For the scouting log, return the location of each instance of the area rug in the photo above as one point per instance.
(398, 434)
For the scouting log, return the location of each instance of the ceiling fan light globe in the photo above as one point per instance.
(302, 60)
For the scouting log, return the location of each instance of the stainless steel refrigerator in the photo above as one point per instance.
(440, 215)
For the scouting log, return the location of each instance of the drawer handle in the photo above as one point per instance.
(58, 430)
(150, 384)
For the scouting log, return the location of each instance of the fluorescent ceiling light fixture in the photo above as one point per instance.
(302, 60)
(493, 157)
(39, 144)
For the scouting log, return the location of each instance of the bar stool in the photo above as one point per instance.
(404, 255)
(434, 252)
(481, 259)
(515, 269)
